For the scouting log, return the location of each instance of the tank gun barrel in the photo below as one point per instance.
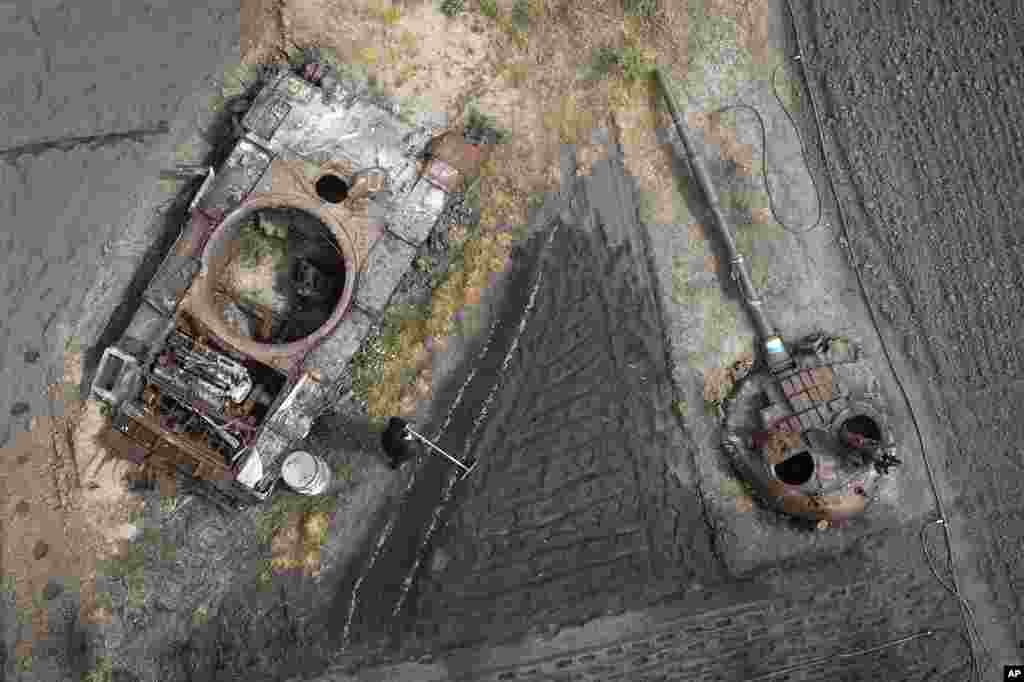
(778, 357)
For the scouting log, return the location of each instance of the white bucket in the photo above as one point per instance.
(305, 473)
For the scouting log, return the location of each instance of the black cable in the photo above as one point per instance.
(764, 152)
(966, 612)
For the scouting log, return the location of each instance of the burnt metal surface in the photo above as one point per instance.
(823, 391)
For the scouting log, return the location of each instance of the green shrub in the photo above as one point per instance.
(103, 672)
(452, 8)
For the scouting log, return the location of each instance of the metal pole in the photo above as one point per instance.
(439, 450)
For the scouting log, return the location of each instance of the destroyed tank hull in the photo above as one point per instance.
(219, 386)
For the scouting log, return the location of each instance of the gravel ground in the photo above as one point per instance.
(919, 106)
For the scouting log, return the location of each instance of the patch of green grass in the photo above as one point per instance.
(469, 320)
(721, 320)
(710, 36)
(375, 87)
(520, 233)
(679, 408)
(130, 568)
(24, 664)
(602, 61)
(489, 8)
(472, 194)
(368, 364)
(788, 89)
(683, 293)
(750, 241)
(38, 602)
(423, 264)
(635, 65)
(410, 108)
(647, 207)
(7, 587)
(521, 15)
(640, 8)
(273, 517)
(680, 208)
(265, 578)
(630, 61)
(736, 488)
(342, 471)
(104, 600)
(134, 559)
(391, 15)
(237, 80)
(200, 616)
(103, 671)
(256, 245)
(711, 407)
(136, 585)
(452, 8)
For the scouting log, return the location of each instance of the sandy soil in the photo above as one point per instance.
(918, 104)
(66, 508)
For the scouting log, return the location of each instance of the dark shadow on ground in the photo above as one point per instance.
(373, 624)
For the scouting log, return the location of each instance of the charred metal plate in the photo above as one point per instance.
(294, 418)
(264, 119)
(237, 177)
(270, 446)
(169, 286)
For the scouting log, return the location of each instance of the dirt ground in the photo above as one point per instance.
(549, 559)
(66, 509)
(918, 105)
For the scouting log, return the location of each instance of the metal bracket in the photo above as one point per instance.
(203, 189)
(423, 439)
